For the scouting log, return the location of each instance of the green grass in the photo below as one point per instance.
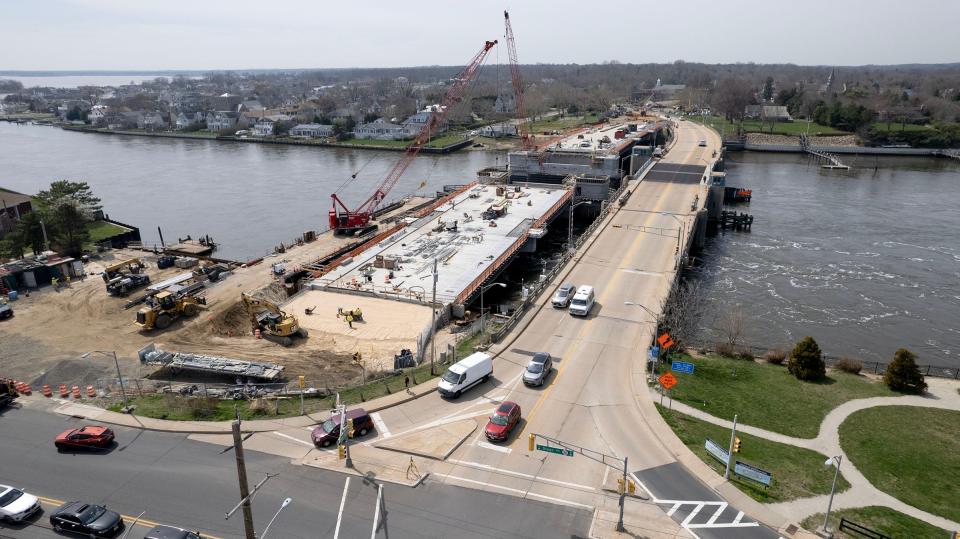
(437, 142)
(177, 408)
(100, 230)
(767, 396)
(560, 124)
(794, 128)
(28, 116)
(908, 452)
(881, 519)
(893, 127)
(797, 472)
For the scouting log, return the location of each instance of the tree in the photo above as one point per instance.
(74, 114)
(903, 374)
(681, 311)
(731, 98)
(731, 325)
(67, 207)
(767, 89)
(806, 361)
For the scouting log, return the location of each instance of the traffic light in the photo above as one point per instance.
(736, 444)
(619, 485)
(530, 442)
(342, 451)
(350, 431)
(301, 381)
(631, 487)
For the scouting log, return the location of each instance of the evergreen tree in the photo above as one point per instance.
(806, 361)
(903, 374)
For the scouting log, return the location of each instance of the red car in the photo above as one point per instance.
(502, 422)
(85, 437)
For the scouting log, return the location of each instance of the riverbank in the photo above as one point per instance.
(430, 147)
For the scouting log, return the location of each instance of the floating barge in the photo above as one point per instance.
(177, 362)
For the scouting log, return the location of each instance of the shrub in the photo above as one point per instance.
(744, 353)
(201, 407)
(806, 361)
(776, 356)
(725, 349)
(903, 374)
(847, 364)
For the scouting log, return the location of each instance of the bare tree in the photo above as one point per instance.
(731, 97)
(731, 325)
(683, 310)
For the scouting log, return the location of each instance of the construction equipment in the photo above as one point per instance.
(355, 312)
(357, 222)
(523, 127)
(8, 392)
(274, 324)
(124, 276)
(165, 306)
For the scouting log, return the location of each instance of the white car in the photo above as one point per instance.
(16, 505)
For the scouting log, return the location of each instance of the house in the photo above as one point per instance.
(220, 120)
(185, 120)
(97, 115)
(263, 127)
(153, 121)
(502, 129)
(250, 105)
(13, 206)
(503, 105)
(312, 131)
(414, 124)
(777, 113)
(381, 129)
(122, 120)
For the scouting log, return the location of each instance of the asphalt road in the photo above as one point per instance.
(192, 484)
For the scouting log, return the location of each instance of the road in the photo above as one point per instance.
(192, 484)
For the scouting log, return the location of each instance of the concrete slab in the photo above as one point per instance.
(371, 464)
(434, 442)
(645, 521)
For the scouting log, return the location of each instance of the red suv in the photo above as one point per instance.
(327, 433)
(85, 437)
(502, 422)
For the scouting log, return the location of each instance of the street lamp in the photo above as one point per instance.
(482, 313)
(676, 262)
(285, 503)
(656, 320)
(123, 391)
(832, 461)
(570, 221)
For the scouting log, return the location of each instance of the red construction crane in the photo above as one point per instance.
(346, 221)
(523, 128)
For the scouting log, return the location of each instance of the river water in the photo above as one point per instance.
(865, 263)
(248, 197)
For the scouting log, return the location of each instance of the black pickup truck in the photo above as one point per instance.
(7, 393)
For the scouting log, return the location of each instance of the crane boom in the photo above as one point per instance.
(523, 129)
(344, 220)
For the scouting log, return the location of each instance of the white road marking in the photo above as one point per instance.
(739, 516)
(381, 426)
(287, 436)
(673, 509)
(522, 475)
(376, 511)
(725, 525)
(516, 491)
(720, 509)
(343, 501)
(487, 445)
(692, 515)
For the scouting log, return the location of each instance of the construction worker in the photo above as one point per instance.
(350, 320)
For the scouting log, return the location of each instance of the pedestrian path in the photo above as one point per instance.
(940, 394)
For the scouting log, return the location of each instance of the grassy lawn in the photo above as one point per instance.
(28, 116)
(753, 126)
(893, 127)
(176, 408)
(797, 472)
(437, 142)
(767, 396)
(908, 452)
(100, 230)
(560, 124)
(881, 519)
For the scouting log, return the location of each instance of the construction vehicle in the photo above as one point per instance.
(8, 393)
(274, 324)
(358, 221)
(165, 306)
(125, 276)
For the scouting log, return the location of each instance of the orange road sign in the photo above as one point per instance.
(668, 380)
(665, 340)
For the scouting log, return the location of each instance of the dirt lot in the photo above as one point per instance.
(51, 329)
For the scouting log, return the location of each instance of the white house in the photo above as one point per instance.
(381, 129)
(414, 124)
(502, 129)
(152, 121)
(185, 119)
(312, 130)
(97, 115)
(263, 127)
(218, 121)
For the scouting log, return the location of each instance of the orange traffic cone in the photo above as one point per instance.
(47, 392)
(76, 392)
(91, 392)
(256, 333)
(63, 391)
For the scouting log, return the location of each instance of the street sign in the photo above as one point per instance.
(668, 380)
(654, 352)
(716, 451)
(665, 340)
(682, 366)
(760, 476)
(555, 450)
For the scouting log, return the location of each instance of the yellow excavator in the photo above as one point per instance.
(274, 324)
(164, 307)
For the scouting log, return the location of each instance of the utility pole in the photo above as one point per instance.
(433, 319)
(242, 476)
(623, 497)
(733, 436)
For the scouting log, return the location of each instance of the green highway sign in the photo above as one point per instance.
(555, 450)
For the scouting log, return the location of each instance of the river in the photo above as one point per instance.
(248, 197)
(74, 81)
(865, 263)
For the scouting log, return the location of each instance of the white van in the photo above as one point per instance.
(465, 374)
(582, 301)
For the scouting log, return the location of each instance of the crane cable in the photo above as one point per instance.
(354, 175)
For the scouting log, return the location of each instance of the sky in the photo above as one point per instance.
(241, 34)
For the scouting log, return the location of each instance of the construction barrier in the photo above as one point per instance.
(256, 333)
(64, 393)
(76, 392)
(24, 389)
(47, 392)
(91, 392)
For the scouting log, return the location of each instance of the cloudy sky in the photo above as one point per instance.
(237, 34)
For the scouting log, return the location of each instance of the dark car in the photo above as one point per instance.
(86, 519)
(171, 532)
(502, 422)
(87, 437)
(327, 433)
(6, 311)
(538, 369)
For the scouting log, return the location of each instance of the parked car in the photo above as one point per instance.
(328, 432)
(6, 311)
(16, 505)
(702, 142)
(171, 532)
(466, 373)
(504, 419)
(563, 295)
(86, 519)
(538, 369)
(86, 437)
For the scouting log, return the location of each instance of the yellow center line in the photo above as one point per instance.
(127, 518)
(586, 325)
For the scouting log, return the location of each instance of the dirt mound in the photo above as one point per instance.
(76, 371)
(232, 322)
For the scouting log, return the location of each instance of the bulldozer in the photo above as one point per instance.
(274, 324)
(165, 307)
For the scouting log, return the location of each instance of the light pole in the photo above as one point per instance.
(655, 321)
(482, 313)
(832, 461)
(570, 222)
(680, 231)
(283, 505)
(116, 362)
